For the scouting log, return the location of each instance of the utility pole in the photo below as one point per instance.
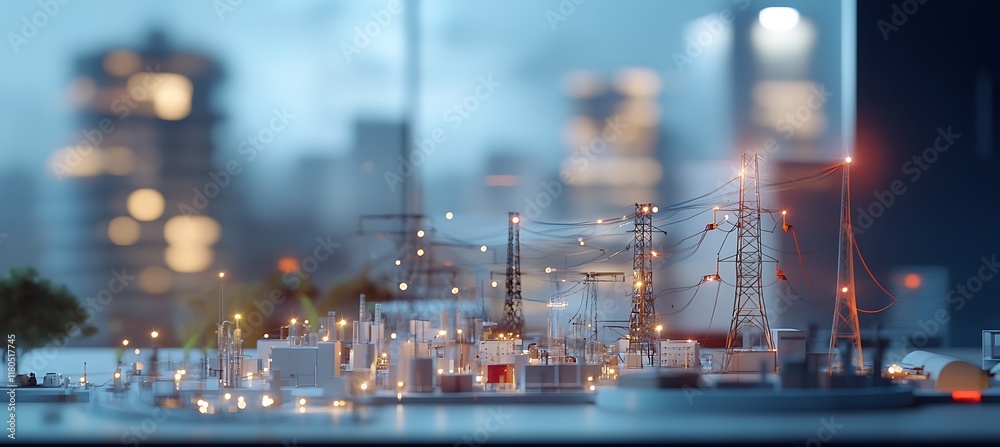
(846, 328)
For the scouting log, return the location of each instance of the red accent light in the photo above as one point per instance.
(971, 396)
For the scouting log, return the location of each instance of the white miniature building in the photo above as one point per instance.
(680, 354)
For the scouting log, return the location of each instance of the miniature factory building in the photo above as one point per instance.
(680, 354)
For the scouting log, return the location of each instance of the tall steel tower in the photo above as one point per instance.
(513, 318)
(590, 310)
(643, 315)
(846, 328)
(748, 308)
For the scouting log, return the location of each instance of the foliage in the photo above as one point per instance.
(38, 311)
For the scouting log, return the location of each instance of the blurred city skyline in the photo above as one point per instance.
(510, 98)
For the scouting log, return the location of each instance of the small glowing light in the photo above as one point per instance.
(449, 215)
(655, 254)
(336, 403)
(302, 401)
(136, 351)
(482, 249)
(125, 342)
(342, 322)
(600, 221)
(582, 243)
(590, 378)
(267, 335)
(392, 335)
(326, 338)
(249, 376)
(442, 333)
(420, 252)
(266, 401)
(848, 159)
(222, 274)
(784, 212)
(385, 354)
(779, 18)
(227, 396)
(294, 321)
(399, 396)
(659, 328)
(638, 284)
(911, 281)
(241, 405)
(399, 262)
(238, 316)
(118, 375)
(302, 409)
(402, 286)
(656, 209)
(440, 371)
(399, 384)
(494, 283)
(454, 290)
(203, 410)
(239, 399)
(459, 331)
(548, 269)
(516, 219)
(154, 334)
(177, 376)
(716, 208)
(843, 289)
(645, 210)
(726, 216)
(479, 379)
(364, 386)
(611, 371)
(971, 396)
(420, 233)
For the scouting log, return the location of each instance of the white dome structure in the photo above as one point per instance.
(948, 373)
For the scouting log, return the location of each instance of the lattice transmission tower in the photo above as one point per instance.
(512, 323)
(846, 328)
(643, 315)
(749, 313)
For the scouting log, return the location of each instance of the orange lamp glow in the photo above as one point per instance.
(288, 264)
(970, 396)
(911, 281)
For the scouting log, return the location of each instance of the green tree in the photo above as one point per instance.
(39, 312)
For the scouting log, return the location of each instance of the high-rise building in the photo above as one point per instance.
(130, 217)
